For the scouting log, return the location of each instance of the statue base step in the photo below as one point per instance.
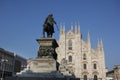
(40, 65)
(38, 78)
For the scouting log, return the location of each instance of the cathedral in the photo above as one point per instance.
(82, 61)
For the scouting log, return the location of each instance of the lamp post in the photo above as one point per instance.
(3, 67)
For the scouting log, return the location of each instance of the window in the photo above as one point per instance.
(85, 77)
(84, 66)
(70, 45)
(70, 58)
(84, 56)
(95, 77)
(94, 66)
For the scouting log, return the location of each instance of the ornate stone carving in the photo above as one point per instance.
(47, 48)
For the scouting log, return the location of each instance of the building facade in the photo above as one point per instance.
(82, 61)
(10, 63)
(20, 63)
(6, 63)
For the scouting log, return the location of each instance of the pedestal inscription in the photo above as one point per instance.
(43, 65)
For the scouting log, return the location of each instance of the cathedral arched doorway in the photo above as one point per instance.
(95, 77)
(85, 77)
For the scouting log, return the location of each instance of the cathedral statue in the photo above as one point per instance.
(48, 26)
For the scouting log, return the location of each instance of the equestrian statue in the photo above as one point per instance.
(48, 26)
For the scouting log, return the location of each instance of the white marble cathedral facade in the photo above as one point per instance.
(82, 61)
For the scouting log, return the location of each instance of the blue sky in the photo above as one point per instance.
(21, 24)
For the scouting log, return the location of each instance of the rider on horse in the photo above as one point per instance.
(48, 26)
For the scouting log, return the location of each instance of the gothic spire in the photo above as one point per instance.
(75, 28)
(78, 29)
(64, 28)
(88, 41)
(61, 29)
(98, 45)
(101, 45)
(71, 26)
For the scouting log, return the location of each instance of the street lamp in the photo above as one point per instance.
(3, 61)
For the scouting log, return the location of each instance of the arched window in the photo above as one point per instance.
(84, 66)
(84, 56)
(85, 77)
(95, 77)
(70, 58)
(94, 66)
(70, 44)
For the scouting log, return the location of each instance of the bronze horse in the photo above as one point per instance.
(48, 26)
(48, 29)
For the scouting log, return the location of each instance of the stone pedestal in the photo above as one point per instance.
(43, 65)
(47, 48)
